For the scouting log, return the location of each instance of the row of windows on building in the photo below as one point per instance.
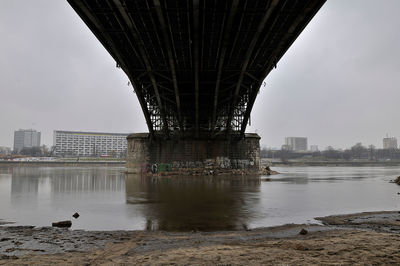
(89, 143)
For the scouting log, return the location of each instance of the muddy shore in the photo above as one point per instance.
(364, 238)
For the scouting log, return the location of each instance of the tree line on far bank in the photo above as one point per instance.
(356, 152)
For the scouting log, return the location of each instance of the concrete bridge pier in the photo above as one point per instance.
(145, 154)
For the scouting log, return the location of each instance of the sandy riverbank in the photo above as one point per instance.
(366, 238)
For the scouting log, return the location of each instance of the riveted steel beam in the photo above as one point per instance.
(140, 44)
(249, 52)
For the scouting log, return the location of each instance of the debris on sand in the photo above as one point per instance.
(62, 224)
(303, 231)
(75, 215)
(268, 171)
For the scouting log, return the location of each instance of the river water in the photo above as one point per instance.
(107, 199)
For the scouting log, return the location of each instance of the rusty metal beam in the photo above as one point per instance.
(297, 27)
(249, 52)
(267, 37)
(196, 62)
(133, 29)
(167, 42)
(225, 43)
(107, 42)
(251, 76)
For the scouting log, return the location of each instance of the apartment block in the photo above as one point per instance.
(77, 143)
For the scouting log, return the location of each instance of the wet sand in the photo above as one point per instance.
(365, 238)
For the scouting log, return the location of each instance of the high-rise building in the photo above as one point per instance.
(296, 143)
(314, 148)
(78, 143)
(26, 138)
(389, 143)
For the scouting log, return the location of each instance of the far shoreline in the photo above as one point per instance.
(330, 163)
(264, 162)
(68, 163)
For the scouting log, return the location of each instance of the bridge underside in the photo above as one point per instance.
(196, 66)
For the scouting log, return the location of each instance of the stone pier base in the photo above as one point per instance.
(158, 155)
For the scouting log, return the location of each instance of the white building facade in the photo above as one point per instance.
(77, 143)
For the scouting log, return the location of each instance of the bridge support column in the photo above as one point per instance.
(199, 156)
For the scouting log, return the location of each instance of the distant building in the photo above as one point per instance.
(296, 143)
(390, 143)
(26, 138)
(314, 148)
(286, 147)
(76, 143)
(5, 150)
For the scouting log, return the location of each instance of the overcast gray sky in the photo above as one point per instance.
(338, 84)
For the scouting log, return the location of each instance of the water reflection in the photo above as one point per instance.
(194, 203)
(107, 199)
(94, 180)
(26, 180)
(24, 185)
(39, 195)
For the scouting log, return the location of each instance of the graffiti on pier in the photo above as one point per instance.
(156, 168)
(208, 164)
